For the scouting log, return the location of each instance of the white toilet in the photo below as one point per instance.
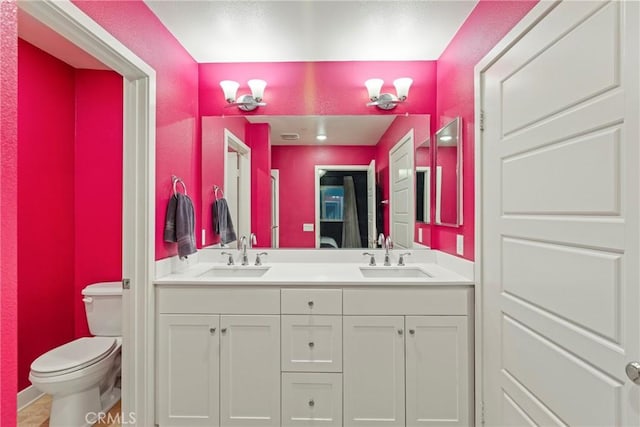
(82, 376)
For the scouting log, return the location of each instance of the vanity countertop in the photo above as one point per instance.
(314, 274)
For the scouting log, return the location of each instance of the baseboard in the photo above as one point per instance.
(28, 396)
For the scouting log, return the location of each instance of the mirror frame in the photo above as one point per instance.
(457, 122)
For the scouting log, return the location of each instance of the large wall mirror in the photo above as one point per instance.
(448, 174)
(329, 176)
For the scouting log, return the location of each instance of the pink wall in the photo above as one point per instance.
(302, 88)
(487, 24)
(8, 211)
(260, 142)
(46, 111)
(212, 166)
(177, 129)
(297, 184)
(98, 184)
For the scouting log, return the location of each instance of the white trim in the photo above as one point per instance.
(408, 137)
(244, 206)
(427, 193)
(329, 168)
(438, 220)
(537, 13)
(275, 243)
(27, 396)
(138, 250)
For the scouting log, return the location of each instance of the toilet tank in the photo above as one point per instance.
(103, 305)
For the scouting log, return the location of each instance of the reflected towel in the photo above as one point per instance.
(222, 223)
(179, 224)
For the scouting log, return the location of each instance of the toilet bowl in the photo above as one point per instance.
(82, 376)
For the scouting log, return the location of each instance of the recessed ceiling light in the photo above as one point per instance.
(321, 137)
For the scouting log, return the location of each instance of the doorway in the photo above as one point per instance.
(341, 220)
(65, 19)
(237, 182)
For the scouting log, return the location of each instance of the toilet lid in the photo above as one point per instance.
(74, 355)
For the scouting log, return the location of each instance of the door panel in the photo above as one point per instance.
(402, 203)
(250, 371)
(438, 371)
(560, 210)
(188, 364)
(373, 352)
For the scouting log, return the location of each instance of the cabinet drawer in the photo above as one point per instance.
(203, 300)
(311, 399)
(392, 301)
(312, 343)
(312, 301)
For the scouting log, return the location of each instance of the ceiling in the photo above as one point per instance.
(321, 30)
(340, 130)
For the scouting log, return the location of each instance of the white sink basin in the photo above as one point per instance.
(394, 272)
(235, 271)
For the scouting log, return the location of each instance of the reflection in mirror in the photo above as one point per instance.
(423, 183)
(448, 175)
(285, 151)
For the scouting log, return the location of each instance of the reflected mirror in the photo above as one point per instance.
(328, 176)
(423, 182)
(448, 174)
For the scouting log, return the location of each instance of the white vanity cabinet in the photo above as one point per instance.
(218, 357)
(325, 356)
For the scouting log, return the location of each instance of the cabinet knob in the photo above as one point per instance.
(311, 344)
(312, 403)
(223, 330)
(412, 331)
(212, 330)
(400, 331)
(310, 304)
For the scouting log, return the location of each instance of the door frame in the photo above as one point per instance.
(275, 203)
(329, 168)
(531, 19)
(138, 226)
(243, 228)
(409, 137)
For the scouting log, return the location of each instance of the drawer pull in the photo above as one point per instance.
(310, 304)
(400, 331)
(412, 331)
(223, 330)
(212, 330)
(311, 344)
(312, 403)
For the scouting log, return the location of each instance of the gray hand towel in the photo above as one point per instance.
(222, 223)
(170, 220)
(185, 226)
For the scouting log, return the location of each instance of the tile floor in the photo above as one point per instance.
(37, 414)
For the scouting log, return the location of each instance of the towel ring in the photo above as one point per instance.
(215, 190)
(175, 183)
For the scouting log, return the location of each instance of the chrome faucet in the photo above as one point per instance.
(243, 250)
(252, 240)
(388, 244)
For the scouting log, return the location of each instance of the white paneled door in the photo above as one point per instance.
(559, 219)
(402, 192)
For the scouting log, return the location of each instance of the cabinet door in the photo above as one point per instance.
(438, 371)
(250, 371)
(373, 370)
(188, 371)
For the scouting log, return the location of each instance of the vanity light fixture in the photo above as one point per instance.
(387, 101)
(321, 137)
(244, 102)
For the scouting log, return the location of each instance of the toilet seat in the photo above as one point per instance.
(73, 356)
